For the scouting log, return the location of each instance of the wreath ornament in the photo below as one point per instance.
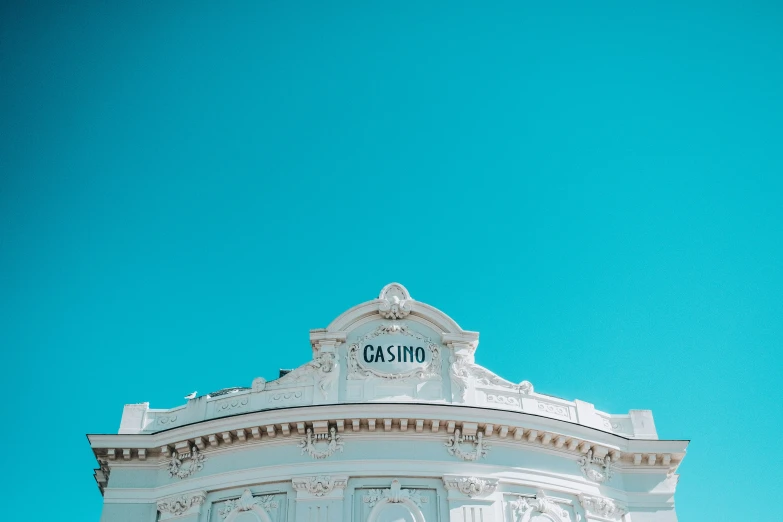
(311, 442)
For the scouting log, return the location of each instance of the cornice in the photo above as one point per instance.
(501, 422)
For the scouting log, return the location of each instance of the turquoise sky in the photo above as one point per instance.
(188, 188)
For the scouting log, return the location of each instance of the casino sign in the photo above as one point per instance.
(394, 351)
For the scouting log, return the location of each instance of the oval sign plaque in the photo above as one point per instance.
(394, 352)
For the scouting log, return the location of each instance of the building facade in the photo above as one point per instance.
(391, 421)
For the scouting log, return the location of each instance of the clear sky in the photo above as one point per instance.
(187, 189)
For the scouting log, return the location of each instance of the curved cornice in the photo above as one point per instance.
(530, 430)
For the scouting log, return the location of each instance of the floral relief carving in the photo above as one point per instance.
(602, 506)
(179, 504)
(185, 464)
(478, 448)
(247, 502)
(395, 494)
(357, 371)
(523, 508)
(597, 469)
(329, 442)
(471, 486)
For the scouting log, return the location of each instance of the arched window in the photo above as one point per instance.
(394, 513)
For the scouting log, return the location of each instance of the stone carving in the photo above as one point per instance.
(319, 485)
(323, 366)
(471, 486)
(247, 502)
(503, 399)
(184, 465)
(602, 506)
(594, 468)
(179, 504)
(554, 409)
(331, 442)
(395, 495)
(395, 302)
(167, 419)
(286, 396)
(259, 383)
(230, 404)
(479, 447)
(321, 369)
(462, 368)
(523, 508)
(459, 372)
(431, 371)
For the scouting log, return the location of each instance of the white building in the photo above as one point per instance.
(390, 422)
